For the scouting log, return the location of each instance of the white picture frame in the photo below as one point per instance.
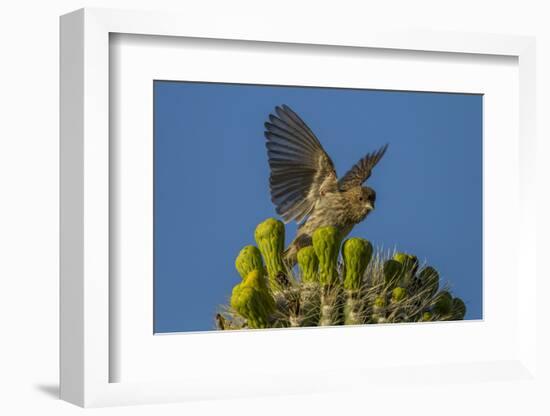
(87, 302)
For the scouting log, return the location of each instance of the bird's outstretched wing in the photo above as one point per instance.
(361, 171)
(301, 170)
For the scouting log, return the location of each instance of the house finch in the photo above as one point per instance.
(303, 182)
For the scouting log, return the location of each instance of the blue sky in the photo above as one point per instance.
(211, 183)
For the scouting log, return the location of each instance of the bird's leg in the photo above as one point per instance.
(220, 322)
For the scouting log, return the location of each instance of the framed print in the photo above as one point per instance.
(271, 213)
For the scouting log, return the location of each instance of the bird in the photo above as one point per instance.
(303, 183)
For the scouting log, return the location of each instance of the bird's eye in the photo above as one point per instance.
(360, 198)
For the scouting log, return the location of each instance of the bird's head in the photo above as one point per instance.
(368, 196)
(362, 200)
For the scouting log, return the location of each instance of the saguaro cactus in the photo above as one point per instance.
(249, 259)
(270, 238)
(367, 288)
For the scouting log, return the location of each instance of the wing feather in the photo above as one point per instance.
(300, 168)
(362, 170)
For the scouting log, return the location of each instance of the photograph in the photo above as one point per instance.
(298, 206)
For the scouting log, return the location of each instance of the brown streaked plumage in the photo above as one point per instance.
(303, 182)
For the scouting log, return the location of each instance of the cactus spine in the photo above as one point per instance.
(429, 280)
(392, 273)
(409, 267)
(458, 309)
(443, 304)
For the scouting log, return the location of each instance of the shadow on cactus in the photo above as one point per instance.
(336, 283)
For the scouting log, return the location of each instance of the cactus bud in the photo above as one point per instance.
(326, 243)
(378, 310)
(308, 263)
(357, 254)
(249, 259)
(252, 299)
(409, 265)
(429, 279)
(407, 260)
(270, 238)
(392, 272)
(398, 294)
(379, 302)
(458, 309)
(426, 317)
(443, 303)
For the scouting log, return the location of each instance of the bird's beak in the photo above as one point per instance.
(370, 206)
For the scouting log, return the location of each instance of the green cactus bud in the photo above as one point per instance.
(308, 264)
(235, 294)
(392, 272)
(356, 253)
(407, 260)
(429, 280)
(443, 303)
(426, 317)
(380, 302)
(249, 259)
(398, 294)
(458, 309)
(409, 265)
(270, 238)
(252, 299)
(326, 242)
